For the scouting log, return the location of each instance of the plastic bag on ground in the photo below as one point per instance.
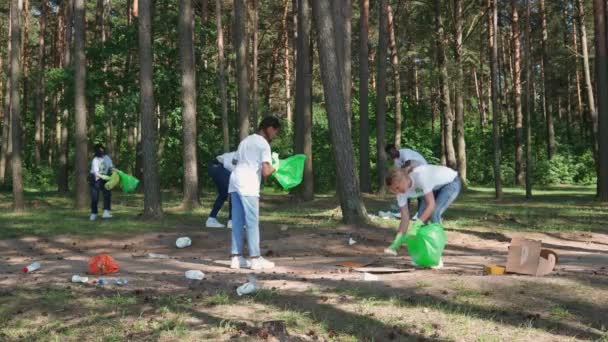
(290, 171)
(103, 264)
(426, 243)
(128, 182)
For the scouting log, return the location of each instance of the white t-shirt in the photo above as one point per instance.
(101, 166)
(227, 160)
(253, 151)
(426, 178)
(406, 154)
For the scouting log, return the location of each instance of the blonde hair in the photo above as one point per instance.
(396, 175)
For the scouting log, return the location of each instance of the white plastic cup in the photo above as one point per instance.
(183, 242)
(195, 275)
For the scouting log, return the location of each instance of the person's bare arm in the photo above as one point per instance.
(429, 200)
(267, 169)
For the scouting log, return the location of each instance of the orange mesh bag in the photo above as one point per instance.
(103, 264)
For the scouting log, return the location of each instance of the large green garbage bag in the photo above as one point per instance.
(291, 171)
(128, 182)
(426, 243)
(113, 181)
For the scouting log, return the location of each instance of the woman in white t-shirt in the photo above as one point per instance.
(438, 186)
(101, 167)
(254, 162)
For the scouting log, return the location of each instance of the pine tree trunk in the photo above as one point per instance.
(152, 198)
(364, 168)
(15, 75)
(577, 79)
(519, 151)
(461, 150)
(529, 99)
(381, 95)
(601, 74)
(303, 109)
(493, 44)
(221, 74)
(353, 210)
(67, 27)
(341, 12)
(80, 107)
(396, 78)
(39, 133)
(254, 69)
(6, 120)
(446, 103)
(286, 68)
(547, 82)
(186, 50)
(25, 61)
(240, 44)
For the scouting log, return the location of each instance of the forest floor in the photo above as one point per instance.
(317, 299)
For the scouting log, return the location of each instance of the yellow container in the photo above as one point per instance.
(494, 270)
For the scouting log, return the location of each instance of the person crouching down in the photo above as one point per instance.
(254, 160)
(219, 169)
(101, 167)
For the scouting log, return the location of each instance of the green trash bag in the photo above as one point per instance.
(113, 181)
(128, 182)
(291, 171)
(426, 243)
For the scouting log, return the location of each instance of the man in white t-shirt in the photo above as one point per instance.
(404, 156)
(219, 169)
(254, 161)
(101, 166)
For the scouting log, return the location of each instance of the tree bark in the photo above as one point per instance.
(254, 71)
(364, 167)
(152, 197)
(493, 44)
(15, 75)
(39, 133)
(67, 26)
(6, 120)
(519, 151)
(222, 74)
(240, 44)
(303, 114)
(186, 50)
(547, 82)
(446, 106)
(593, 115)
(25, 60)
(353, 210)
(396, 76)
(461, 151)
(342, 13)
(286, 68)
(601, 74)
(381, 95)
(529, 99)
(577, 78)
(80, 106)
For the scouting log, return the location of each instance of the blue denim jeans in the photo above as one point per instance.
(245, 212)
(97, 187)
(221, 178)
(444, 196)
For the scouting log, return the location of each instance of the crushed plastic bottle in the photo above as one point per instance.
(157, 256)
(31, 267)
(78, 279)
(183, 242)
(249, 287)
(195, 275)
(112, 282)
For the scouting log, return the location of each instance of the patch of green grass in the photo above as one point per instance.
(559, 312)
(221, 298)
(119, 300)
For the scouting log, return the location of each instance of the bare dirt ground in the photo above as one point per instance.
(318, 299)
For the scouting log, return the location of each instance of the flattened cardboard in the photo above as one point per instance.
(527, 257)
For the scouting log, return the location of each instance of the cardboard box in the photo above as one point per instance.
(526, 256)
(494, 270)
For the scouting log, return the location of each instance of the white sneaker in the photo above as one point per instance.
(106, 214)
(390, 251)
(439, 266)
(93, 217)
(238, 262)
(212, 222)
(229, 224)
(261, 264)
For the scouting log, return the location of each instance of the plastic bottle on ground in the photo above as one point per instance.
(31, 267)
(195, 275)
(78, 279)
(249, 287)
(112, 281)
(183, 242)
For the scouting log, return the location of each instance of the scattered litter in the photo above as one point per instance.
(157, 256)
(284, 227)
(381, 270)
(78, 279)
(370, 277)
(351, 264)
(526, 256)
(31, 267)
(385, 214)
(183, 242)
(425, 310)
(112, 282)
(494, 270)
(249, 287)
(351, 241)
(103, 264)
(195, 275)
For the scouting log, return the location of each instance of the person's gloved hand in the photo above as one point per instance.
(396, 244)
(417, 223)
(275, 160)
(104, 177)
